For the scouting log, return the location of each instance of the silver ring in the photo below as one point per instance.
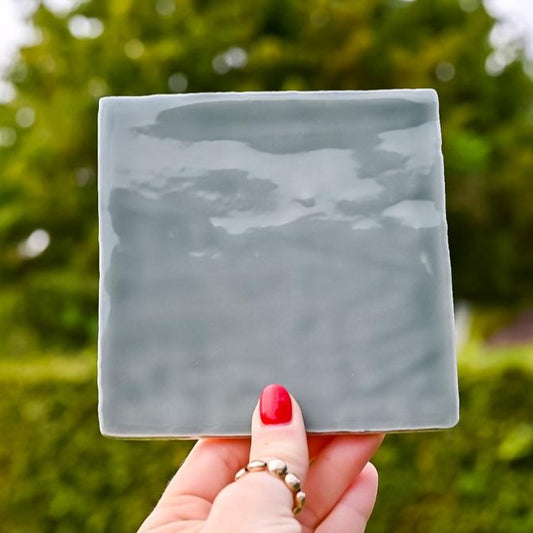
(278, 468)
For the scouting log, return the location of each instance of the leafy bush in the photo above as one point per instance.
(48, 131)
(477, 477)
(59, 475)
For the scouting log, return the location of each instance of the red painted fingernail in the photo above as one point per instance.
(275, 406)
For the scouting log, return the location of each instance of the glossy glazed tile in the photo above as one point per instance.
(256, 238)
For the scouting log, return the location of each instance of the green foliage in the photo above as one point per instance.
(474, 478)
(48, 158)
(59, 475)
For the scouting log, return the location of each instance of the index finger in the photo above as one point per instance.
(210, 466)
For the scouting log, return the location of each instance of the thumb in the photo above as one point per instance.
(264, 500)
(278, 431)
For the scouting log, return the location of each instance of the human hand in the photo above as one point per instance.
(339, 481)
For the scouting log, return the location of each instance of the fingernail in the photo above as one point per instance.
(275, 406)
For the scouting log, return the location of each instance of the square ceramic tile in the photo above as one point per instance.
(256, 238)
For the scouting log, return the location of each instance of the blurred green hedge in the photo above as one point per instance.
(59, 475)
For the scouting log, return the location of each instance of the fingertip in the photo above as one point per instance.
(356, 504)
(364, 490)
(370, 475)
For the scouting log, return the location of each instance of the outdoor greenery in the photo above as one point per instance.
(57, 474)
(128, 47)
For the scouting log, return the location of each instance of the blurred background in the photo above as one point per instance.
(59, 57)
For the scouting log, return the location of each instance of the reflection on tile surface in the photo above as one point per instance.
(255, 238)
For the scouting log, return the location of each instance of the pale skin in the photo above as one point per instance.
(336, 473)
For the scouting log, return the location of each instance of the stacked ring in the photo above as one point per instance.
(277, 468)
